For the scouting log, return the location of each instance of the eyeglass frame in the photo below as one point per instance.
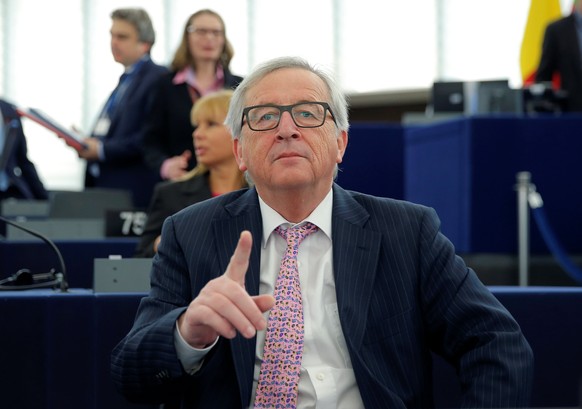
(202, 32)
(287, 108)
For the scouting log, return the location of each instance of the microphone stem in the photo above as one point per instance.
(64, 285)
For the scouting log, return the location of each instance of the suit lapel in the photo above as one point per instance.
(135, 82)
(244, 214)
(355, 257)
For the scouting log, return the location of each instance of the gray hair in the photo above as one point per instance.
(140, 19)
(337, 102)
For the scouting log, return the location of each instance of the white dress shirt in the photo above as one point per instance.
(327, 379)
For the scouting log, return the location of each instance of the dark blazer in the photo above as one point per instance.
(401, 294)
(170, 198)
(124, 166)
(20, 170)
(561, 54)
(169, 130)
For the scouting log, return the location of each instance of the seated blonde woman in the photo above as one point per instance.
(216, 171)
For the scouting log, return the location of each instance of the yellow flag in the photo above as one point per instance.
(541, 13)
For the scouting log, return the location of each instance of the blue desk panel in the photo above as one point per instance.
(78, 256)
(466, 169)
(374, 160)
(56, 347)
(551, 321)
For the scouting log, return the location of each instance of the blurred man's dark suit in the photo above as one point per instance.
(124, 166)
(561, 54)
(24, 182)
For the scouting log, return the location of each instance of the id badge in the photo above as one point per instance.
(102, 126)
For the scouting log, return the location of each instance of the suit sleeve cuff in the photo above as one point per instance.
(190, 358)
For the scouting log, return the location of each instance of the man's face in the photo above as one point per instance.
(289, 157)
(125, 46)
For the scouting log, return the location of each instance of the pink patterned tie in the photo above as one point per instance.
(279, 377)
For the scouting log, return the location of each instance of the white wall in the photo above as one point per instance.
(55, 54)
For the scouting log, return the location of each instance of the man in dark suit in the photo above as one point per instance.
(18, 176)
(381, 287)
(115, 149)
(561, 54)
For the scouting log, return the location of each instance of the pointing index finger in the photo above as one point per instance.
(239, 262)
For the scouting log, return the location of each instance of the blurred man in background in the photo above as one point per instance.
(114, 151)
(18, 176)
(562, 55)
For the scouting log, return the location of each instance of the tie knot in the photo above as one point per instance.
(295, 235)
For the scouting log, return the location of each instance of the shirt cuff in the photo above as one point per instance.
(191, 358)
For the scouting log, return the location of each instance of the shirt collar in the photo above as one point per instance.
(321, 217)
(133, 67)
(188, 76)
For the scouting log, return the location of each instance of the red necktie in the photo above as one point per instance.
(282, 353)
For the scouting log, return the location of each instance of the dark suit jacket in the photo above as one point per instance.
(20, 170)
(124, 166)
(561, 54)
(169, 130)
(401, 294)
(170, 198)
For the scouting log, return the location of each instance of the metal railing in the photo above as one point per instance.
(528, 198)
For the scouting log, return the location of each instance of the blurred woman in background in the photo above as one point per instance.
(200, 66)
(216, 172)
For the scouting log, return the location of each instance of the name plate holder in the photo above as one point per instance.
(116, 274)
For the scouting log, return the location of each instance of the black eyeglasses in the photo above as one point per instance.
(304, 114)
(202, 32)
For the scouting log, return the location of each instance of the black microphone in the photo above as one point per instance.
(24, 280)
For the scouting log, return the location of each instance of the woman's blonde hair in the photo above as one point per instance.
(213, 106)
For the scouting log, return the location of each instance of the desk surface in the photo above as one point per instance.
(59, 348)
(67, 339)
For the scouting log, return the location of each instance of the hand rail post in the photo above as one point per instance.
(523, 188)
